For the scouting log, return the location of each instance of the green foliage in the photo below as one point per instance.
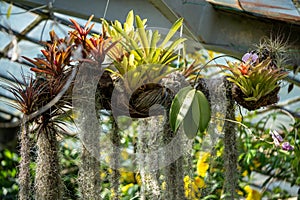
(259, 81)
(8, 173)
(258, 154)
(140, 46)
(190, 108)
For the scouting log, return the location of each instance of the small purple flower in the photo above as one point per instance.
(250, 58)
(287, 147)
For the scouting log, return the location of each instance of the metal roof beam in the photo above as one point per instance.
(234, 32)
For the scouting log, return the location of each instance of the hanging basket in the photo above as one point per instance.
(266, 100)
(147, 100)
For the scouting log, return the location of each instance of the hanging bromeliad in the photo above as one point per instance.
(256, 80)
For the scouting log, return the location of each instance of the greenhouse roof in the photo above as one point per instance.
(229, 26)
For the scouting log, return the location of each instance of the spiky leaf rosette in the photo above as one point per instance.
(275, 49)
(255, 84)
(141, 46)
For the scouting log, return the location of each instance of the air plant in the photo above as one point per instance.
(26, 97)
(93, 50)
(256, 80)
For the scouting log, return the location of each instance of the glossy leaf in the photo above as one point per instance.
(203, 110)
(192, 119)
(190, 108)
(180, 106)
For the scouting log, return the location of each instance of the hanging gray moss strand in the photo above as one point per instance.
(231, 155)
(24, 168)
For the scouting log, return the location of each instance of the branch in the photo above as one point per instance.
(281, 106)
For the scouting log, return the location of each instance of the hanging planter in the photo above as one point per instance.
(141, 60)
(256, 80)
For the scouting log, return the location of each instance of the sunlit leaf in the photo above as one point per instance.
(203, 110)
(180, 106)
(142, 34)
(192, 119)
(172, 31)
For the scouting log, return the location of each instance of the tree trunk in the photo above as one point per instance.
(173, 173)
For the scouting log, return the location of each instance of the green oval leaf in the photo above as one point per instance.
(180, 106)
(192, 119)
(198, 116)
(203, 110)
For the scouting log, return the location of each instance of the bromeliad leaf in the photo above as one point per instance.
(172, 31)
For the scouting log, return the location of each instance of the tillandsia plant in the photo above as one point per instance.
(52, 73)
(256, 80)
(47, 97)
(26, 98)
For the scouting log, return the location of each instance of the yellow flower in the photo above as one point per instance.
(245, 173)
(199, 182)
(239, 118)
(103, 175)
(188, 188)
(239, 192)
(252, 194)
(127, 176)
(124, 155)
(163, 185)
(138, 179)
(202, 165)
(192, 187)
(125, 188)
